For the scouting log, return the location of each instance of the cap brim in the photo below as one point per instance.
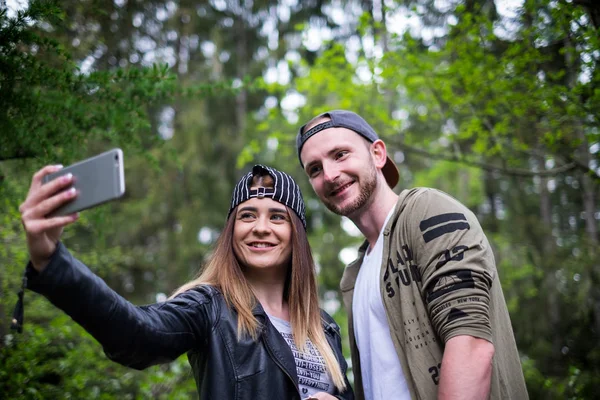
(390, 172)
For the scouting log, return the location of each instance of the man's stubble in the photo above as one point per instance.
(368, 184)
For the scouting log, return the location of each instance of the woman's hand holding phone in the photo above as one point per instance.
(43, 233)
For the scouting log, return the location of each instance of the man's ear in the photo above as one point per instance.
(379, 153)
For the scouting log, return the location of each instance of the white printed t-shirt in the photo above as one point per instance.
(382, 374)
(310, 366)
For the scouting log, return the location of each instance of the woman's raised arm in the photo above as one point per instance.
(135, 336)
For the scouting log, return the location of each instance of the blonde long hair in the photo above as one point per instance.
(224, 272)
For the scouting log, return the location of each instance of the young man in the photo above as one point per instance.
(427, 317)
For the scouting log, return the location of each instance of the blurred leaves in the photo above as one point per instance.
(498, 110)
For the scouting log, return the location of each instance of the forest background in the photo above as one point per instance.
(494, 102)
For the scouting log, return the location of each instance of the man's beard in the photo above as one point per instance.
(368, 184)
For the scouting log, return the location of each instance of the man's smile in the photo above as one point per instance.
(340, 189)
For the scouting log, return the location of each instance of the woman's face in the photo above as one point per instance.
(262, 234)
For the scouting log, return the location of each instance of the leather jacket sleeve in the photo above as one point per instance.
(136, 337)
(336, 344)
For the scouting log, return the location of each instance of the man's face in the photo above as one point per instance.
(341, 170)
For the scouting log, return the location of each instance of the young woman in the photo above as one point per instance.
(250, 322)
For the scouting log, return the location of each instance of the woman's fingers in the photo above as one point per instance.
(43, 232)
(47, 205)
(36, 181)
(39, 175)
(38, 191)
(37, 226)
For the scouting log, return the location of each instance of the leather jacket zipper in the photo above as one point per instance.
(280, 365)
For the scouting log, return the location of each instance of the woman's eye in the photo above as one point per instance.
(279, 217)
(246, 215)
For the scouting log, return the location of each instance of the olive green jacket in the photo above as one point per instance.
(438, 280)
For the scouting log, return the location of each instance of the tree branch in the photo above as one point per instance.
(520, 172)
(571, 164)
(17, 156)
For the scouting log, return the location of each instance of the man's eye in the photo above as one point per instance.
(340, 154)
(312, 171)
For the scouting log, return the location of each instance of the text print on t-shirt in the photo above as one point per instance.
(310, 366)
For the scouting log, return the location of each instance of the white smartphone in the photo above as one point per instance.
(97, 180)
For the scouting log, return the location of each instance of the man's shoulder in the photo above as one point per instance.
(428, 213)
(422, 206)
(428, 194)
(425, 200)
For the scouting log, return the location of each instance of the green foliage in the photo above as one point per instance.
(483, 116)
(70, 87)
(39, 79)
(64, 362)
(478, 114)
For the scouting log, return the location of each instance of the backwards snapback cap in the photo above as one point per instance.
(354, 122)
(285, 191)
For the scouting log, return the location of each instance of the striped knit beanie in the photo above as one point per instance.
(285, 191)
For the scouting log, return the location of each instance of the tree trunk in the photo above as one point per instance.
(241, 100)
(490, 194)
(3, 320)
(545, 203)
(589, 196)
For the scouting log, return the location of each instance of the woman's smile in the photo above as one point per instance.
(262, 234)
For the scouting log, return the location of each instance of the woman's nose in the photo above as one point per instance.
(262, 226)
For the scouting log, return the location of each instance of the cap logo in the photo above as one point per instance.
(260, 192)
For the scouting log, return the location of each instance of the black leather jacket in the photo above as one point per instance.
(197, 322)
